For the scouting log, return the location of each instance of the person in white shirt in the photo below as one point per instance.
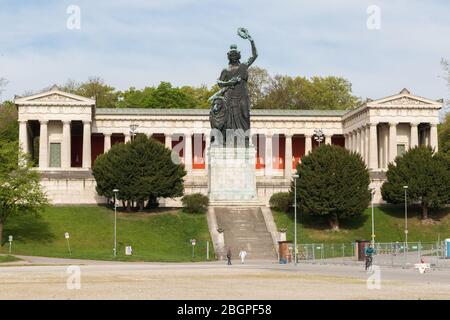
(242, 254)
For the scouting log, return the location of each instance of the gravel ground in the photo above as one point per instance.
(258, 280)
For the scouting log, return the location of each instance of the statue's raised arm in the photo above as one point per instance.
(244, 34)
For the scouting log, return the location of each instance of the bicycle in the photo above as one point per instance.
(369, 260)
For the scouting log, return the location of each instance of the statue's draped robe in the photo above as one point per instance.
(237, 99)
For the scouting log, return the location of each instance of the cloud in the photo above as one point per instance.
(139, 43)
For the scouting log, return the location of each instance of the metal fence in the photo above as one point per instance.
(386, 253)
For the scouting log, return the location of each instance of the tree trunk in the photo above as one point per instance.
(141, 205)
(129, 205)
(334, 222)
(424, 212)
(1, 233)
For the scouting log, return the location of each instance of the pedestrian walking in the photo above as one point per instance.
(229, 256)
(242, 255)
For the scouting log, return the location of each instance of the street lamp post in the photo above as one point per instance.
(406, 218)
(372, 193)
(295, 176)
(115, 221)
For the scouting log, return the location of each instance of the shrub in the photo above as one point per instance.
(141, 169)
(333, 183)
(427, 175)
(281, 201)
(195, 203)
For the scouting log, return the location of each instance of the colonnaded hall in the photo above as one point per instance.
(66, 133)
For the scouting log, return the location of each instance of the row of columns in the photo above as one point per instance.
(268, 149)
(365, 141)
(65, 143)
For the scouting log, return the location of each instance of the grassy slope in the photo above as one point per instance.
(8, 258)
(157, 236)
(389, 226)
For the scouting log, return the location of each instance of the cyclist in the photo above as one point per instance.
(369, 251)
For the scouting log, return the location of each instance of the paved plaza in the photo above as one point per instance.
(44, 278)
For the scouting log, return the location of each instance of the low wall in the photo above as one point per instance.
(80, 189)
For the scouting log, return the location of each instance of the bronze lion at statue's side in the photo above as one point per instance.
(217, 119)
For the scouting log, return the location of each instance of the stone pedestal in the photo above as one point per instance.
(232, 173)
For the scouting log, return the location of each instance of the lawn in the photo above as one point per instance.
(160, 235)
(389, 226)
(8, 258)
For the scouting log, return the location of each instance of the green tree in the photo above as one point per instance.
(319, 93)
(9, 127)
(444, 127)
(258, 83)
(329, 93)
(444, 136)
(166, 96)
(427, 176)
(20, 189)
(141, 169)
(333, 183)
(95, 88)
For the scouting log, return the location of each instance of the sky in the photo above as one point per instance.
(141, 43)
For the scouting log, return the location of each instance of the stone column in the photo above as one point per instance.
(355, 141)
(107, 143)
(350, 141)
(363, 144)
(327, 139)
(346, 141)
(308, 143)
(43, 145)
(392, 141)
(87, 144)
(168, 140)
(207, 138)
(188, 152)
(23, 136)
(358, 140)
(385, 155)
(127, 137)
(366, 144)
(434, 136)
(66, 145)
(268, 156)
(373, 152)
(288, 156)
(414, 135)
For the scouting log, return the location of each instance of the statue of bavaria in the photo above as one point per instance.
(230, 106)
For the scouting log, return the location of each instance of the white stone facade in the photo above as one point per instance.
(58, 123)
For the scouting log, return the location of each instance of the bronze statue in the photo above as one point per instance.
(230, 110)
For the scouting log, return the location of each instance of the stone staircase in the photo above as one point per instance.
(245, 228)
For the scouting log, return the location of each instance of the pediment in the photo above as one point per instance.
(405, 99)
(54, 97)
